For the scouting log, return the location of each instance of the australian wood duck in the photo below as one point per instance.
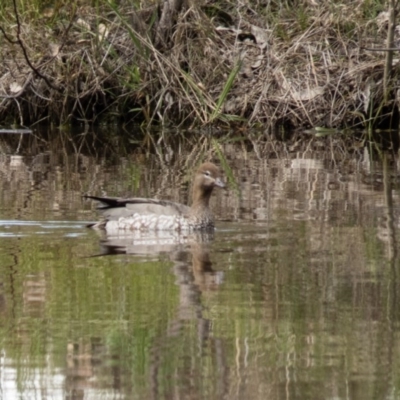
(141, 214)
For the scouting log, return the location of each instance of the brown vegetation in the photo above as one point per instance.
(300, 63)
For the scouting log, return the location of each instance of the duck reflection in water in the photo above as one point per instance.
(192, 268)
(181, 249)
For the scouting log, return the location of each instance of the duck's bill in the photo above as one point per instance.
(219, 183)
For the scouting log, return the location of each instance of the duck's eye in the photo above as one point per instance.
(207, 173)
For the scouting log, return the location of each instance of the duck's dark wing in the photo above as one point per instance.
(115, 207)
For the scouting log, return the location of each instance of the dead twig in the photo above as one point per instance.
(24, 51)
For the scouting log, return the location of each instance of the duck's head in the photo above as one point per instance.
(206, 178)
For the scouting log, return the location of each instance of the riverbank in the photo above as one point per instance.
(302, 65)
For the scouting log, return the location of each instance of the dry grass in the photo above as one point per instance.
(302, 66)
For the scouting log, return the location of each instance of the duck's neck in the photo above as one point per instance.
(200, 199)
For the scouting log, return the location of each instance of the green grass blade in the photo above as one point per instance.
(227, 87)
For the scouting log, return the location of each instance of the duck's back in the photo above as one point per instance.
(141, 214)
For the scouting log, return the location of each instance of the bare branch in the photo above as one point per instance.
(25, 53)
(7, 37)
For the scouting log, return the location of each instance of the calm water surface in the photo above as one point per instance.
(295, 296)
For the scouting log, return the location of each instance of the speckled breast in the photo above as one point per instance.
(152, 222)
